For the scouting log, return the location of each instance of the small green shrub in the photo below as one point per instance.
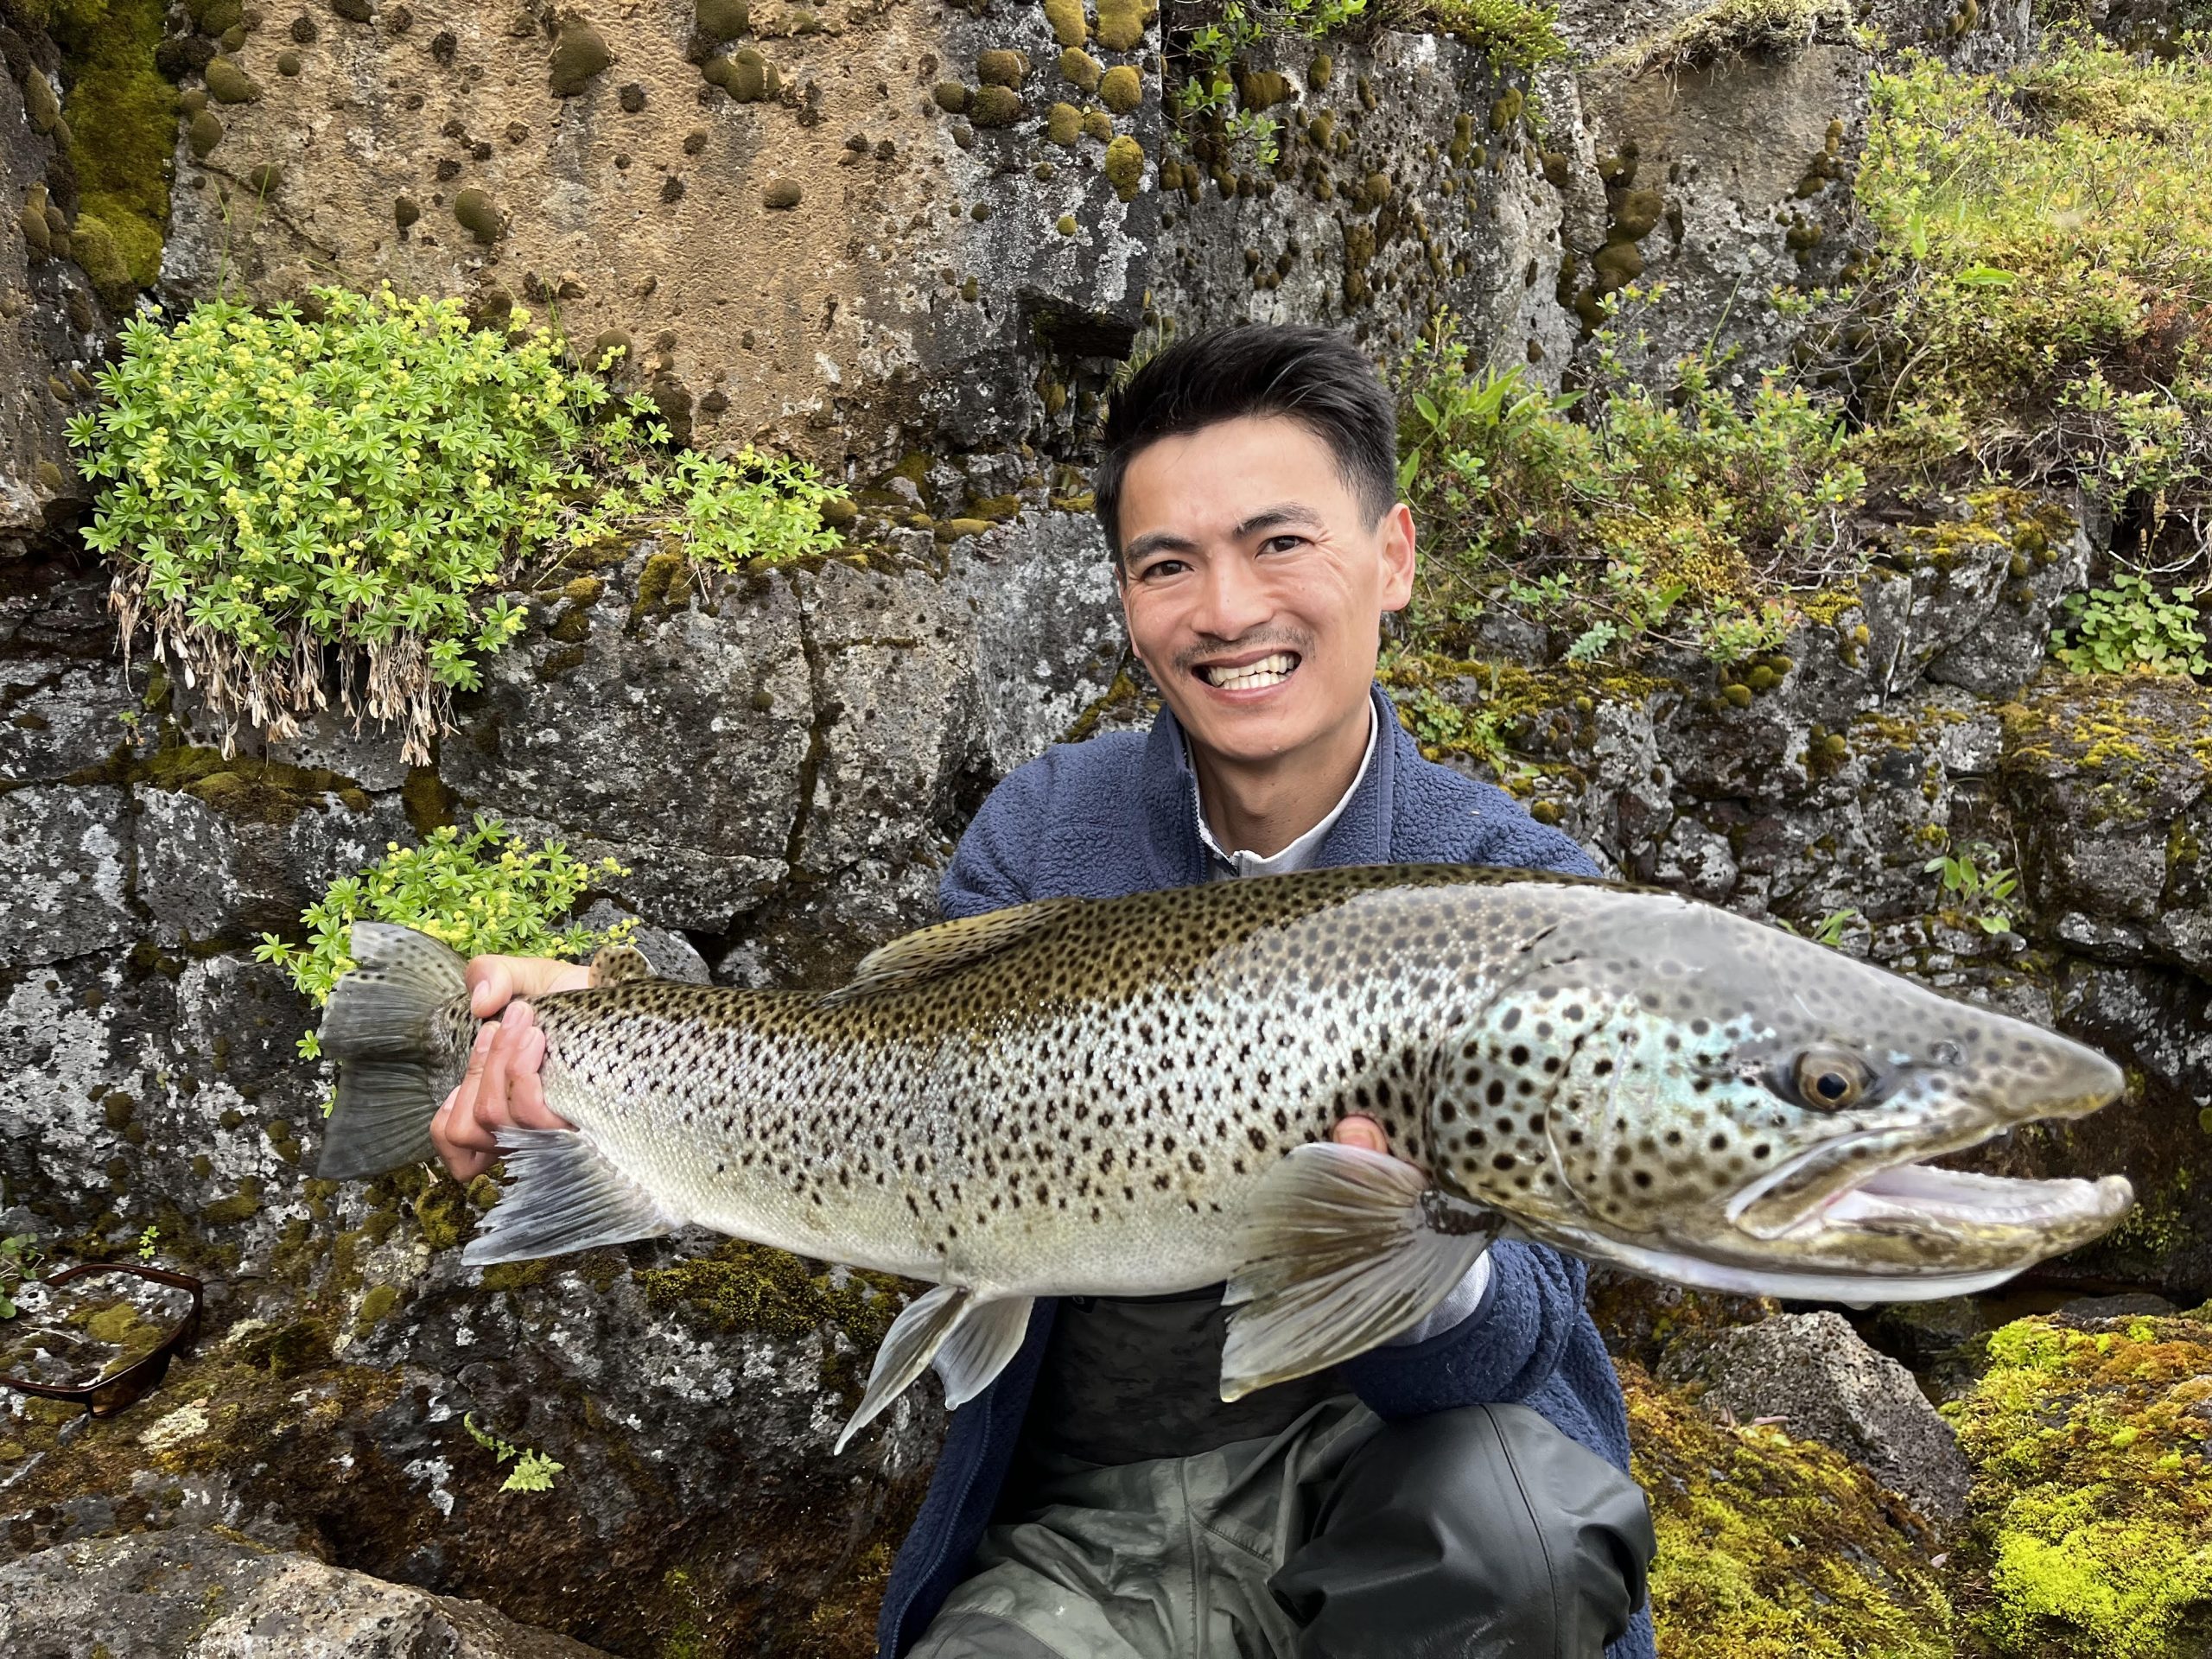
(276, 483)
(750, 508)
(2041, 298)
(2128, 628)
(1632, 514)
(484, 891)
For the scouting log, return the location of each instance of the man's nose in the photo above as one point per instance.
(1232, 599)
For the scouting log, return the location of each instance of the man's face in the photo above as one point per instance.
(1254, 586)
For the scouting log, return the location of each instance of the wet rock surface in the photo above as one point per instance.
(1810, 1375)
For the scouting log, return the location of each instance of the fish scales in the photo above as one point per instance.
(1083, 1111)
(1136, 1095)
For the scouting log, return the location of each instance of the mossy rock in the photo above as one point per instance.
(952, 97)
(1066, 20)
(1001, 67)
(1771, 1547)
(1064, 124)
(994, 106)
(95, 248)
(479, 216)
(227, 83)
(580, 52)
(1121, 89)
(1122, 23)
(1124, 166)
(746, 76)
(121, 126)
(1080, 70)
(2089, 1527)
(722, 20)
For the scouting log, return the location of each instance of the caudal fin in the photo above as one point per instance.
(380, 1026)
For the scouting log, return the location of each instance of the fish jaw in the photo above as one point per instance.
(1648, 1095)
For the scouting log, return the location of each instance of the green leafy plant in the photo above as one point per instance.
(361, 474)
(482, 892)
(2041, 298)
(1682, 509)
(148, 1239)
(20, 1257)
(749, 509)
(1979, 891)
(1203, 95)
(533, 1471)
(2130, 628)
(1828, 930)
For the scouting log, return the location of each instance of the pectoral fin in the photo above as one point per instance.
(1342, 1250)
(565, 1196)
(970, 1338)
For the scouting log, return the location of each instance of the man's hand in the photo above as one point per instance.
(1361, 1132)
(501, 1087)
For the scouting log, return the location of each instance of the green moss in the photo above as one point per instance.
(380, 1300)
(1124, 166)
(516, 1275)
(227, 83)
(1064, 124)
(95, 248)
(1067, 23)
(1775, 1548)
(1001, 67)
(1120, 90)
(745, 1287)
(240, 1206)
(1080, 70)
(580, 52)
(722, 20)
(2090, 1522)
(1122, 23)
(122, 121)
(479, 215)
(994, 106)
(442, 1211)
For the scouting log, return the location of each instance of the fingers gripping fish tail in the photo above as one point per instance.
(380, 1026)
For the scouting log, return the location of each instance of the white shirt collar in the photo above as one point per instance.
(1301, 853)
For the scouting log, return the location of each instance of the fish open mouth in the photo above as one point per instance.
(1271, 670)
(1870, 1195)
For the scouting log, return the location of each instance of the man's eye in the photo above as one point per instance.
(1281, 543)
(1160, 567)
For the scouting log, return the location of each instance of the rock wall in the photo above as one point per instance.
(913, 243)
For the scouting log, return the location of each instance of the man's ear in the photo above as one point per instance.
(1396, 553)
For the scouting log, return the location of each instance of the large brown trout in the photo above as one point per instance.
(1135, 1097)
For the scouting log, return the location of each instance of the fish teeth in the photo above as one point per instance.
(1268, 671)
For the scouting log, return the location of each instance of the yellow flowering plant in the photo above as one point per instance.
(371, 473)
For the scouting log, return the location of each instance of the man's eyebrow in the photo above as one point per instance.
(1283, 512)
(1155, 541)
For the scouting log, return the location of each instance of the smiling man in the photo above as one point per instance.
(1461, 1491)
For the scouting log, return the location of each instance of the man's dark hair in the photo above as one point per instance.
(1313, 375)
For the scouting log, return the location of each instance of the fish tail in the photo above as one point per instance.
(382, 1026)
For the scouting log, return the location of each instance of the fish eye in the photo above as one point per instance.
(1827, 1079)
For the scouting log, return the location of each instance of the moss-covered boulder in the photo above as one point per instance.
(1773, 1547)
(2091, 1517)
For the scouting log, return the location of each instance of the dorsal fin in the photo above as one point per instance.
(940, 949)
(613, 964)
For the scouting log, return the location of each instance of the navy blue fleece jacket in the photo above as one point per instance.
(1116, 815)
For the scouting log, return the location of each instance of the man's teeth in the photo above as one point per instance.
(1268, 671)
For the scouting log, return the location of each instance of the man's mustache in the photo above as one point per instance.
(1286, 639)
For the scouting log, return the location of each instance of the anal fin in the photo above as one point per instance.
(1340, 1251)
(971, 1338)
(564, 1196)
